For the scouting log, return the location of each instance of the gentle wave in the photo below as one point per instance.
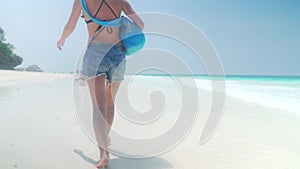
(273, 93)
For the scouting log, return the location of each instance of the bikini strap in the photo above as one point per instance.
(101, 4)
(100, 26)
(111, 9)
(90, 21)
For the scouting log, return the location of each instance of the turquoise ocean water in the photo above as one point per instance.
(282, 92)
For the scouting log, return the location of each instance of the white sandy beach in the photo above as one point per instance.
(39, 129)
(12, 78)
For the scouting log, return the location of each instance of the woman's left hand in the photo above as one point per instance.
(60, 43)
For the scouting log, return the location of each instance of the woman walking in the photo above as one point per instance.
(103, 63)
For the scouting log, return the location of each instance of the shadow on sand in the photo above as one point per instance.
(128, 163)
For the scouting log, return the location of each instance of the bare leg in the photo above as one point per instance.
(97, 88)
(111, 91)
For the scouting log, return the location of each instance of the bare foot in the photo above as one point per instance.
(103, 161)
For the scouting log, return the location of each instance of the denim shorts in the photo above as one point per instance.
(104, 58)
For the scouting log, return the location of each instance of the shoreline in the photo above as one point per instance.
(13, 78)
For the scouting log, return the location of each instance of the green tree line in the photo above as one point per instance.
(8, 59)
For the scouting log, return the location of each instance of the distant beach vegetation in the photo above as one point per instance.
(8, 59)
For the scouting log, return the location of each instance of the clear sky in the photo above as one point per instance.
(257, 37)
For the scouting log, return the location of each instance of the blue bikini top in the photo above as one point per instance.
(109, 23)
